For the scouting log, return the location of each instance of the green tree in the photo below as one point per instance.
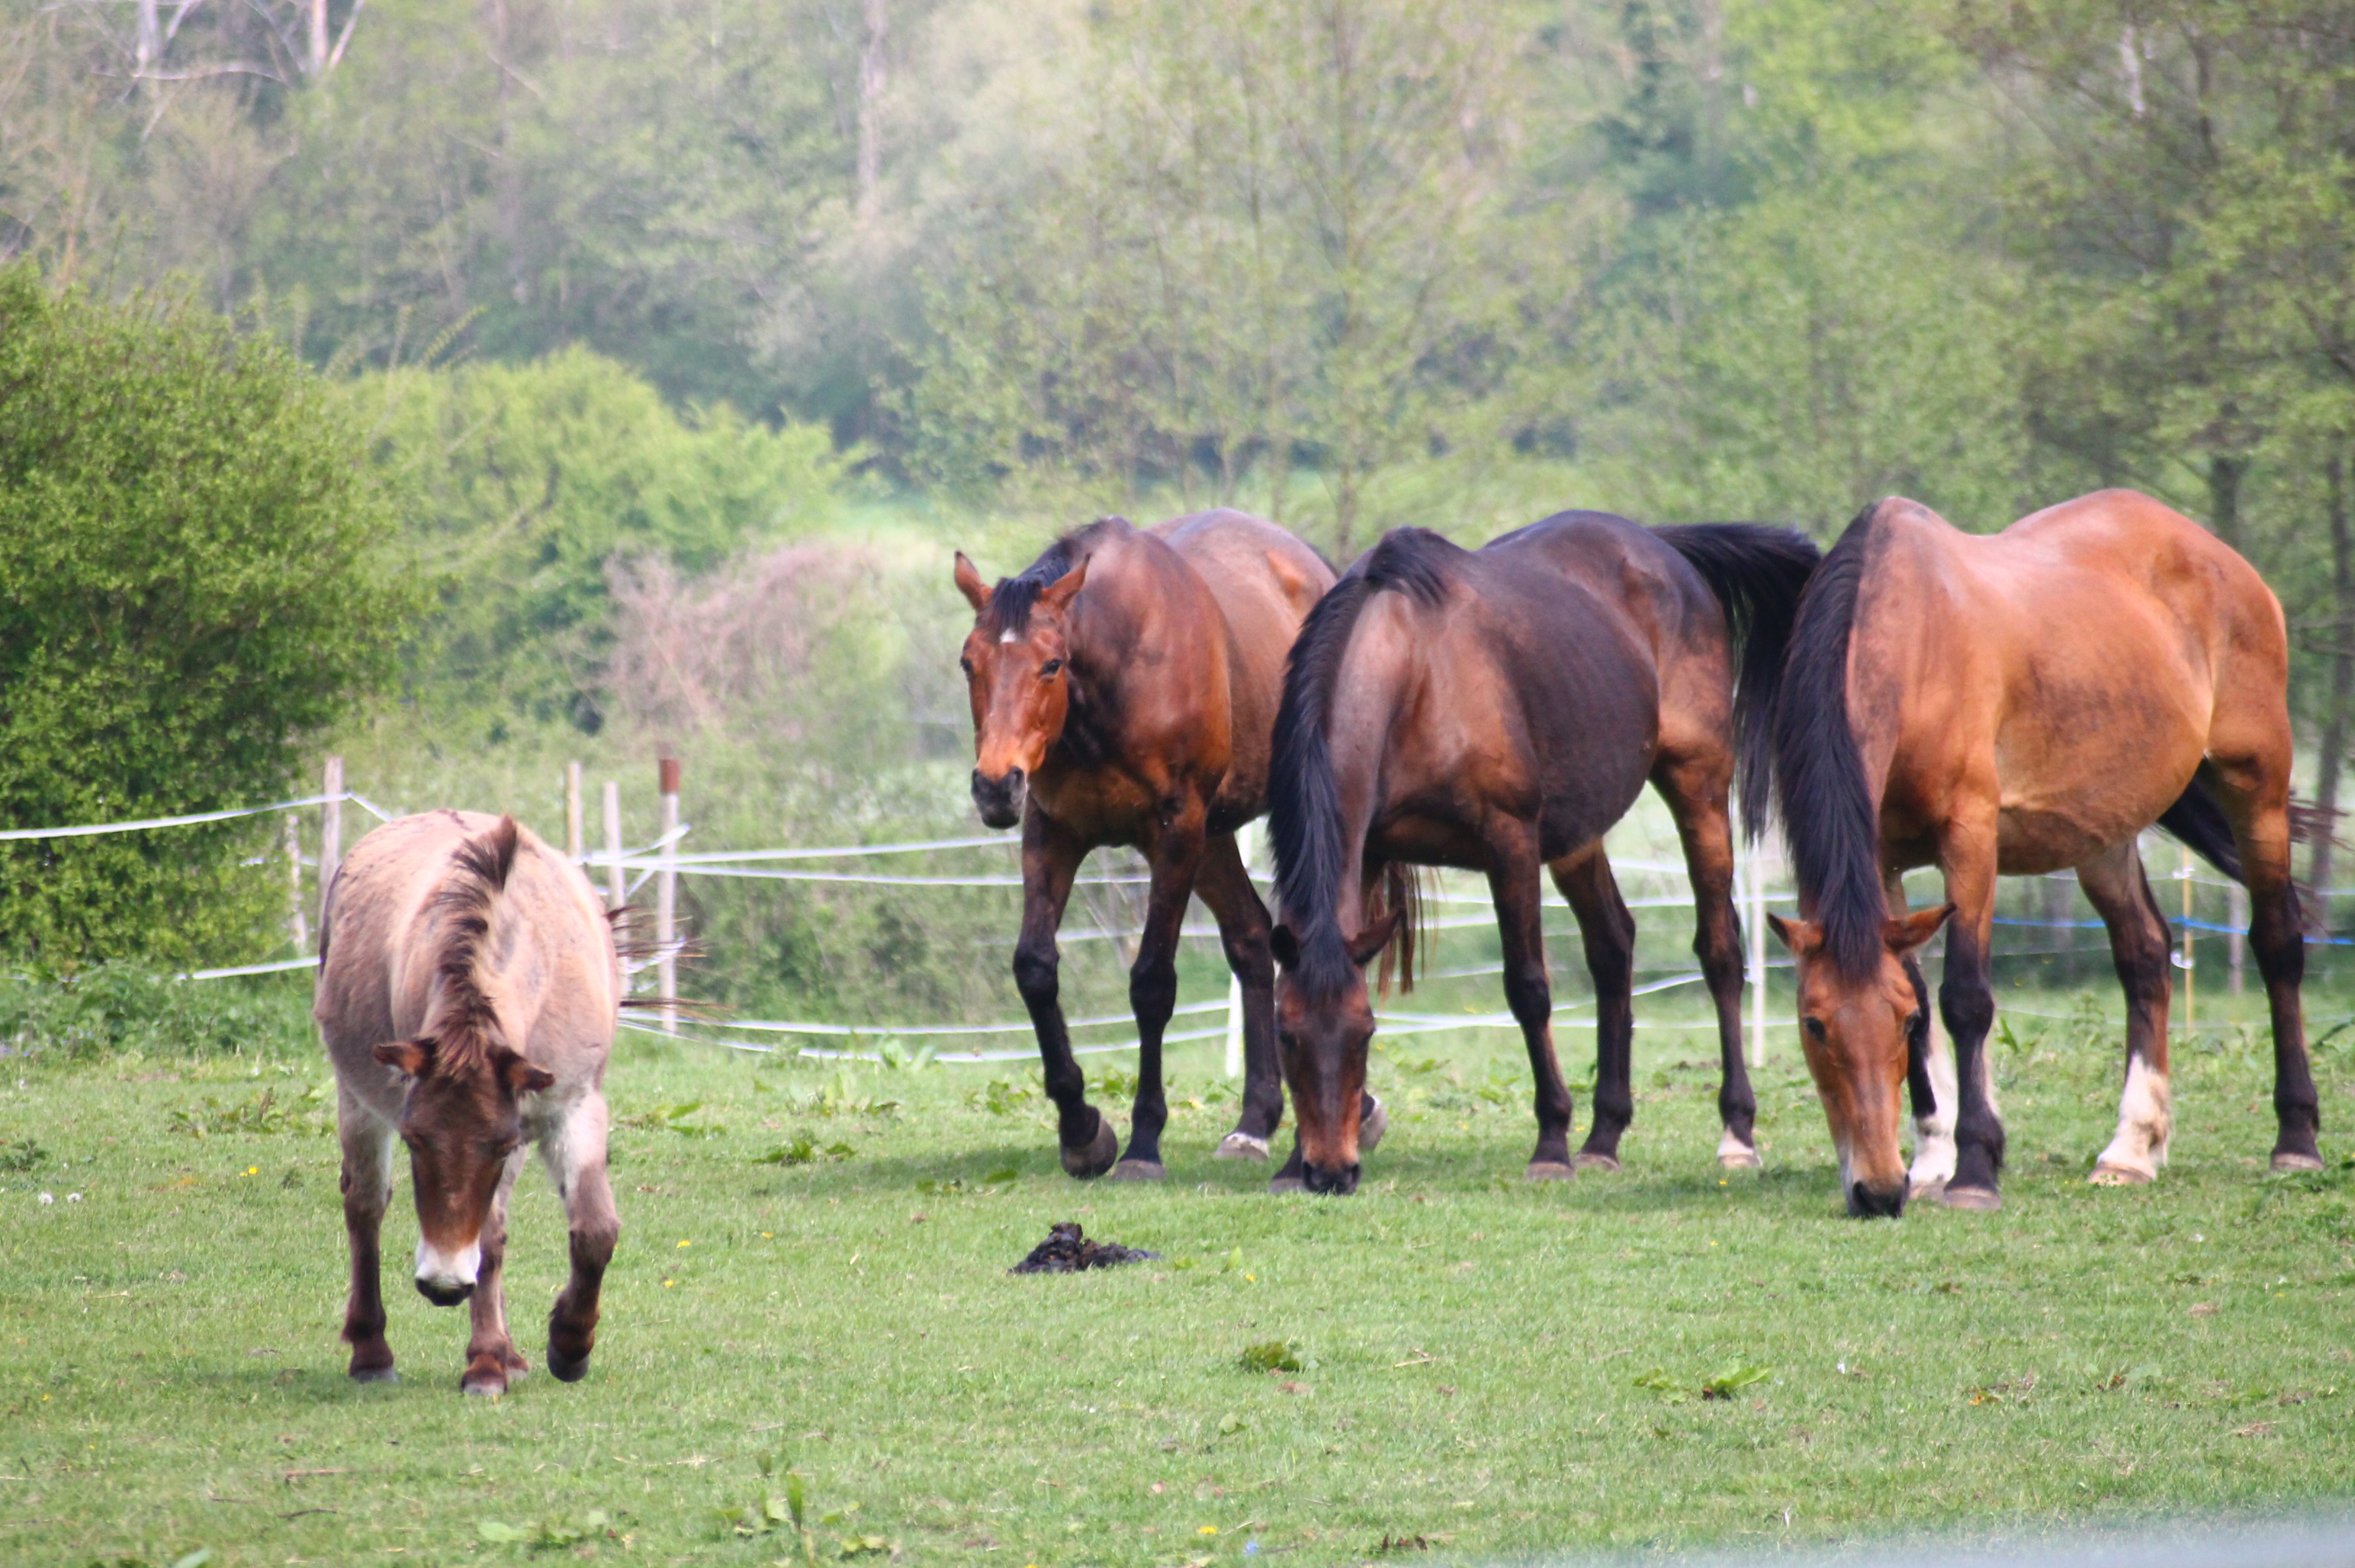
(193, 580)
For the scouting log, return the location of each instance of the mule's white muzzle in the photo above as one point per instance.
(446, 1279)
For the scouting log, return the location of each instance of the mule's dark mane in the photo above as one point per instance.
(1304, 797)
(1010, 601)
(1828, 812)
(464, 1025)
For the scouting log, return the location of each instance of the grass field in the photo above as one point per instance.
(1486, 1368)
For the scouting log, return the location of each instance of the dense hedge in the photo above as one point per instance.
(194, 577)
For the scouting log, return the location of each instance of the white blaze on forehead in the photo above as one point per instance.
(1009, 636)
(448, 1270)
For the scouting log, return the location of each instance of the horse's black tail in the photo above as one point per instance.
(1757, 574)
(2201, 825)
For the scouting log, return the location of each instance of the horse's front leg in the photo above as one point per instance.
(1929, 1080)
(1176, 853)
(1050, 859)
(368, 1189)
(1224, 883)
(1514, 883)
(1967, 1001)
(575, 1153)
(492, 1361)
(1608, 933)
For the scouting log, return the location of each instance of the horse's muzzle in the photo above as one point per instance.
(999, 800)
(1877, 1200)
(1333, 1180)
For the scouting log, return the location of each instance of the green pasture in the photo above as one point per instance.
(811, 1296)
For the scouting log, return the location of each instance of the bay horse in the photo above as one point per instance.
(1499, 710)
(2021, 703)
(1123, 688)
(467, 993)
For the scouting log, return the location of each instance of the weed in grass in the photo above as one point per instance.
(21, 1157)
(670, 1119)
(803, 1149)
(1274, 1356)
(262, 1112)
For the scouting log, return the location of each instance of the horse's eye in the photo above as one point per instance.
(1815, 1027)
(1051, 670)
(966, 665)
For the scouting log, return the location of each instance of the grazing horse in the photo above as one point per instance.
(2021, 703)
(1124, 688)
(468, 988)
(1499, 710)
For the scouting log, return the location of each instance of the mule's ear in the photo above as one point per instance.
(413, 1057)
(1284, 945)
(1375, 937)
(969, 583)
(1056, 595)
(521, 1077)
(1903, 935)
(1801, 936)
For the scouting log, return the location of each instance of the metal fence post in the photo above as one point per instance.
(294, 924)
(617, 886)
(1752, 895)
(667, 895)
(1246, 842)
(331, 835)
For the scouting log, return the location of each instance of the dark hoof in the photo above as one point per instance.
(1372, 1123)
(1927, 1191)
(1589, 1159)
(1139, 1171)
(1239, 1144)
(2294, 1159)
(1097, 1157)
(374, 1375)
(1981, 1199)
(567, 1368)
(1554, 1170)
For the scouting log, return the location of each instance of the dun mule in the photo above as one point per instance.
(1124, 688)
(1499, 710)
(2023, 703)
(468, 984)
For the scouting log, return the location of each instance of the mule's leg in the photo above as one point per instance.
(2254, 794)
(1176, 854)
(1966, 1002)
(1696, 791)
(491, 1359)
(2120, 893)
(1225, 885)
(1608, 934)
(1050, 859)
(1513, 882)
(367, 1190)
(575, 1153)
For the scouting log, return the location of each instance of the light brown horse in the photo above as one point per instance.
(1123, 688)
(468, 987)
(2021, 703)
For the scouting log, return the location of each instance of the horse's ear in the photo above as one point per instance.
(1056, 595)
(1903, 935)
(520, 1076)
(412, 1057)
(1284, 945)
(1375, 937)
(969, 583)
(1801, 936)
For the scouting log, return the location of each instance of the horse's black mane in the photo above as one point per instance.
(1010, 601)
(1303, 798)
(1829, 813)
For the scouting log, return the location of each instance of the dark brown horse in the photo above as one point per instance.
(1499, 710)
(2021, 703)
(468, 987)
(1124, 688)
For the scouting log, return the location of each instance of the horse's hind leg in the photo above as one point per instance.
(1050, 859)
(1224, 884)
(1513, 884)
(1608, 934)
(1177, 855)
(1696, 789)
(492, 1361)
(575, 1154)
(2119, 891)
(368, 1189)
(2254, 794)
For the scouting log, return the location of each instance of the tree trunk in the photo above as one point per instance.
(2342, 693)
(2224, 499)
(319, 16)
(870, 108)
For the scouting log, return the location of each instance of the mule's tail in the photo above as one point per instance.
(463, 1022)
(2200, 824)
(1757, 574)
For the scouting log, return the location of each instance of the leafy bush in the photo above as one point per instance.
(193, 578)
(109, 1008)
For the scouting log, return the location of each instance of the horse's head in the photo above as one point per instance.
(1016, 665)
(1854, 1029)
(1324, 1024)
(461, 1120)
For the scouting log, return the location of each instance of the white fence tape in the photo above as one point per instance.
(87, 829)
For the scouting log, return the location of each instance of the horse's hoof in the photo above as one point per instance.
(1239, 1144)
(1139, 1171)
(2292, 1160)
(1930, 1191)
(1553, 1170)
(1372, 1123)
(1098, 1155)
(374, 1375)
(2107, 1174)
(1590, 1159)
(1983, 1199)
(1281, 1183)
(567, 1368)
(488, 1387)
(1740, 1160)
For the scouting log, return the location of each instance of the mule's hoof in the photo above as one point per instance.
(2106, 1174)
(1372, 1123)
(374, 1375)
(1590, 1159)
(567, 1368)
(1932, 1190)
(2292, 1160)
(1139, 1171)
(1281, 1183)
(1984, 1200)
(1097, 1157)
(488, 1387)
(1740, 1160)
(1239, 1144)
(1553, 1170)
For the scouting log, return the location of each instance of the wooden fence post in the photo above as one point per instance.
(331, 835)
(295, 923)
(667, 895)
(572, 847)
(617, 885)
